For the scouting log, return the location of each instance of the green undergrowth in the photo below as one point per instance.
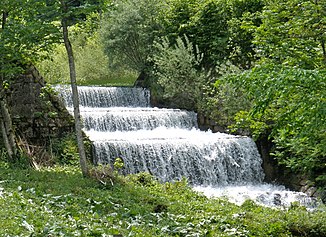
(124, 80)
(58, 201)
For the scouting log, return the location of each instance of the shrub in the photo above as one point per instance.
(177, 69)
(288, 104)
(65, 150)
(107, 175)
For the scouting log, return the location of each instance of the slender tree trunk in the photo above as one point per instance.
(324, 50)
(4, 19)
(5, 139)
(72, 69)
(8, 130)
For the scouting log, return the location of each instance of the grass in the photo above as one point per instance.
(58, 201)
(123, 78)
(126, 80)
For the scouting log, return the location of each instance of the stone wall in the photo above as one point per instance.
(37, 114)
(205, 123)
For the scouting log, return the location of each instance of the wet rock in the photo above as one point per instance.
(277, 201)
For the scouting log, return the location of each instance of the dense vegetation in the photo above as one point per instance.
(252, 65)
(92, 64)
(69, 205)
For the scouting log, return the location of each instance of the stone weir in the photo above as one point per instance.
(168, 144)
(164, 142)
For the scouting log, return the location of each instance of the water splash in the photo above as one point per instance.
(168, 144)
(268, 195)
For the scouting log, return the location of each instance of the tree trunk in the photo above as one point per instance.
(7, 130)
(324, 50)
(78, 124)
(6, 140)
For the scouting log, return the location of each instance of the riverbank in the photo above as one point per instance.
(59, 202)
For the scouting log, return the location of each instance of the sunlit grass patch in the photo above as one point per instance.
(58, 201)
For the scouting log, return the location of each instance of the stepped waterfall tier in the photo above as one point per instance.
(165, 142)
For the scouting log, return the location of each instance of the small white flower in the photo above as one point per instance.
(28, 226)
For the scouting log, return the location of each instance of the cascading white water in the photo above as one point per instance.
(168, 144)
(170, 154)
(102, 97)
(131, 119)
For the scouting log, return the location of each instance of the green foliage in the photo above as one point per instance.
(218, 102)
(176, 17)
(309, 227)
(106, 175)
(285, 102)
(128, 31)
(57, 201)
(177, 70)
(3, 155)
(65, 150)
(131, 27)
(29, 29)
(240, 47)
(24, 26)
(210, 29)
(92, 64)
(215, 26)
(118, 164)
(55, 70)
(143, 178)
(293, 33)
(289, 104)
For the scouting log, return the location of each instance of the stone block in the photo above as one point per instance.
(311, 191)
(201, 119)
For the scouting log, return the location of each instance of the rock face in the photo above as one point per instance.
(37, 114)
(205, 123)
(275, 173)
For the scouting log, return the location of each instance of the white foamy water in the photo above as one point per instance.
(168, 144)
(161, 133)
(268, 195)
(133, 119)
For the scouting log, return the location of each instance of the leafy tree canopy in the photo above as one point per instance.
(25, 33)
(289, 105)
(129, 30)
(293, 33)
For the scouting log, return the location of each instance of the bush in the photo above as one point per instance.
(289, 105)
(106, 175)
(143, 178)
(177, 69)
(65, 150)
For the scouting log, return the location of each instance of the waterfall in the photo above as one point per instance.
(167, 143)
(163, 142)
(102, 97)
